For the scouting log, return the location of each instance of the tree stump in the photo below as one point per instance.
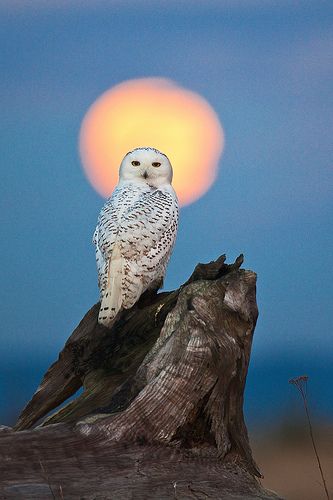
(161, 413)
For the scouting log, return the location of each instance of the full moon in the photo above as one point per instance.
(158, 113)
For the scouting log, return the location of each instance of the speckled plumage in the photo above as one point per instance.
(136, 231)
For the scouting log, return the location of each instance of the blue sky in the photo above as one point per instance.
(266, 68)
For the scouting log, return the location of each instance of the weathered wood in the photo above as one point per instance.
(163, 388)
(55, 462)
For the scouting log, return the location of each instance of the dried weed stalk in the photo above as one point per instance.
(301, 384)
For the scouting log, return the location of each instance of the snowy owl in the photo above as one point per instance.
(135, 232)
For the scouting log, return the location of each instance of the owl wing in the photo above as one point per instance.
(105, 234)
(134, 237)
(146, 236)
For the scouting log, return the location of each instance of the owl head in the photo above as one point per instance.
(146, 165)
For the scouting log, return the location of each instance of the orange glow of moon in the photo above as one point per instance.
(152, 112)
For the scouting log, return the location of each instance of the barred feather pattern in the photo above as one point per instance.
(134, 237)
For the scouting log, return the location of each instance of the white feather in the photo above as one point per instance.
(136, 232)
(112, 298)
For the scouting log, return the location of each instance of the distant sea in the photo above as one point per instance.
(269, 399)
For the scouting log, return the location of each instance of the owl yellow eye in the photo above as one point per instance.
(156, 164)
(135, 163)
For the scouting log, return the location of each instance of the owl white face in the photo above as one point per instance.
(146, 165)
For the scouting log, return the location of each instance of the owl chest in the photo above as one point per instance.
(130, 224)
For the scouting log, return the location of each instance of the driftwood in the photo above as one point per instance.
(161, 413)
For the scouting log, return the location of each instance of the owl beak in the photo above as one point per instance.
(145, 174)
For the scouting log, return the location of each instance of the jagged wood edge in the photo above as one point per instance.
(101, 450)
(93, 353)
(206, 343)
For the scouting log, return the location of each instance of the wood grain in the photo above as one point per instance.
(161, 413)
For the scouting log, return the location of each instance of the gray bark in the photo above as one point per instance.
(161, 414)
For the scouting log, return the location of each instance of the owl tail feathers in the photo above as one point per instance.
(112, 299)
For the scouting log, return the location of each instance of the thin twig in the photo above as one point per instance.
(301, 384)
(61, 493)
(175, 489)
(46, 477)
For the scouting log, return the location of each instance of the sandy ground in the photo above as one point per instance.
(289, 465)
